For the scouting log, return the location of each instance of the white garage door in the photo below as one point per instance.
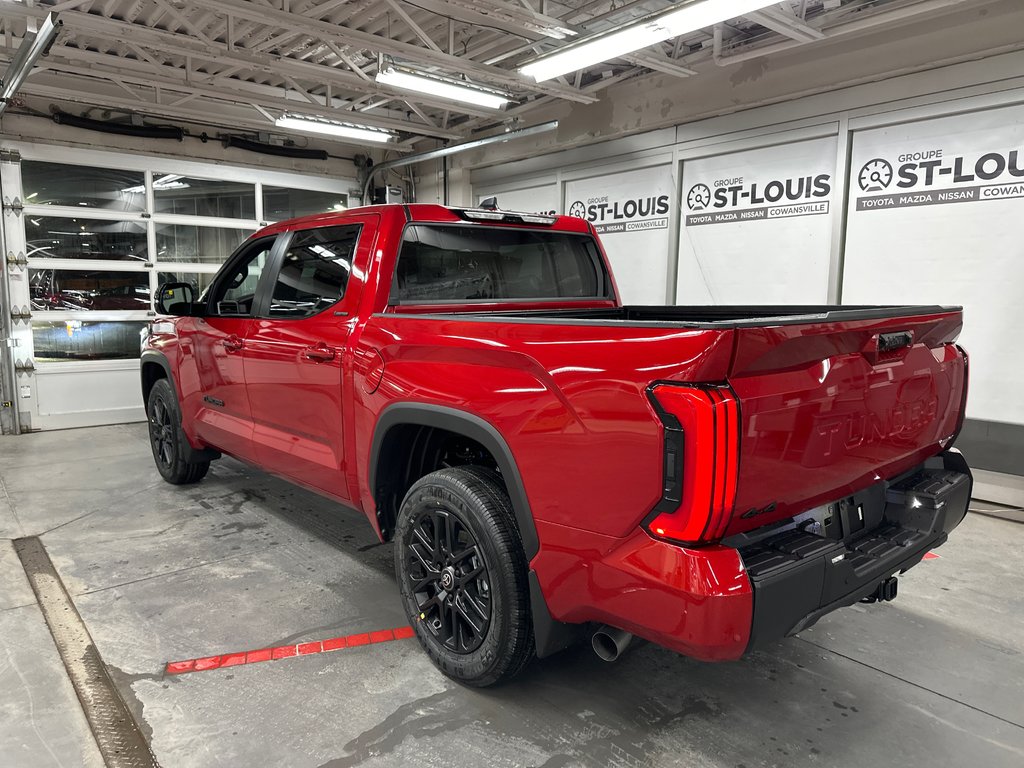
(95, 241)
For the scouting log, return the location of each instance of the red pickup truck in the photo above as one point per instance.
(550, 463)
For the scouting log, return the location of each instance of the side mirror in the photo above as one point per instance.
(176, 299)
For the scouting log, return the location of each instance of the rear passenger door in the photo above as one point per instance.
(295, 357)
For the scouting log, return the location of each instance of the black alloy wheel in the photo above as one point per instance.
(166, 440)
(448, 575)
(162, 434)
(462, 575)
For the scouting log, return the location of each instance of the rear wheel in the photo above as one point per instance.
(166, 438)
(463, 575)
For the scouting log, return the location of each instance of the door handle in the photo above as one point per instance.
(319, 353)
(232, 343)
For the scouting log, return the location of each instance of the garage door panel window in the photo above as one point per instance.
(74, 340)
(200, 281)
(314, 271)
(63, 290)
(55, 237)
(82, 186)
(280, 203)
(188, 196)
(204, 245)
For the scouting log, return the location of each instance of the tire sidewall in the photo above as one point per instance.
(478, 666)
(178, 470)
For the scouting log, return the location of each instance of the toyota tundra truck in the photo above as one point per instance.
(550, 463)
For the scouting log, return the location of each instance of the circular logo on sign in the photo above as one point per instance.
(699, 197)
(578, 209)
(875, 176)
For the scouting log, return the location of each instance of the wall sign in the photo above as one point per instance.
(756, 225)
(631, 212)
(933, 211)
(617, 213)
(775, 199)
(940, 173)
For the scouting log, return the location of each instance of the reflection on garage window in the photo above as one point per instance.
(82, 186)
(87, 340)
(198, 280)
(188, 196)
(281, 203)
(62, 290)
(206, 245)
(51, 237)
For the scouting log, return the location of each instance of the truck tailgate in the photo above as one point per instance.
(828, 408)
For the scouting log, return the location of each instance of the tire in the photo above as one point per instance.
(480, 632)
(167, 440)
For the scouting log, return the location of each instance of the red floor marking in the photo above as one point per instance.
(931, 556)
(287, 651)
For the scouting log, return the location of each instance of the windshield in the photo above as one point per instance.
(452, 263)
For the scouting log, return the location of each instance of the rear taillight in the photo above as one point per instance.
(963, 397)
(701, 459)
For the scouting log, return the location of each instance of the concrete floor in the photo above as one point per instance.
(245, 561)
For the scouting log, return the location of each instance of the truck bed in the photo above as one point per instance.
(725, 316)
(830, 397)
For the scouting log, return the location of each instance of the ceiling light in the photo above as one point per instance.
(342, 130)
(689, 18)
(445, 89)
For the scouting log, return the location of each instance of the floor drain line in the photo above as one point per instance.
(117, 735)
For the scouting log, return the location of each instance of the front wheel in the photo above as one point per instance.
(462, 574)
(166, 439)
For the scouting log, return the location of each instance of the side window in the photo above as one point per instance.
(234, 294)
(314, 271)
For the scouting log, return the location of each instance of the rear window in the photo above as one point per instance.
(446, 263)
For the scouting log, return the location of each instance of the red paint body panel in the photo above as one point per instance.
(696, 602)
(822, 420)
(822, 414)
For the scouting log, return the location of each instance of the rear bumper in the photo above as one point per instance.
(715, 603)
(798, 577)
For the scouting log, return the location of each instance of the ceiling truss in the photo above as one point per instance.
(242, 63)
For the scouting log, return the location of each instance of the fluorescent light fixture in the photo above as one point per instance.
(331, 128)
(170, 181)
(445, 89)
(689, 18)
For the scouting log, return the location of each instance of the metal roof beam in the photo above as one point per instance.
(183, 46)
(503, 16)
(349, 35)
(215, 89)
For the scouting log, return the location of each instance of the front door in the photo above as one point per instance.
(294, 358)
(223, 414)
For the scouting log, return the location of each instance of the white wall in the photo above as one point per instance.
(757, 225)
(940, 224)
(945, 253)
